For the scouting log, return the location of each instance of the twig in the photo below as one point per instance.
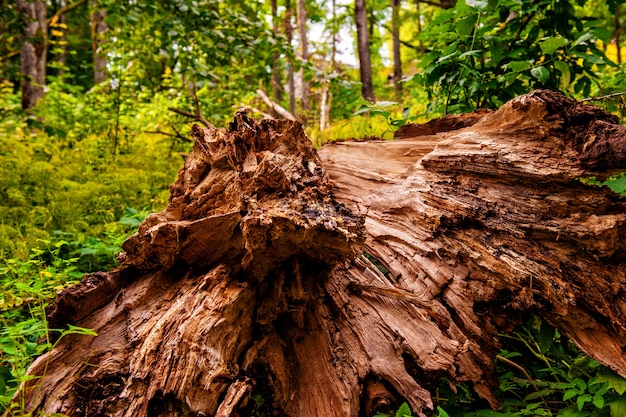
(603, 97)
(255, 110)
(65, 9)
(172, 135)
(275, 106)
(516, 366)
(196, 117)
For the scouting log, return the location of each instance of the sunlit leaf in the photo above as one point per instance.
(541, 73)
(477, 4)
(550, 45)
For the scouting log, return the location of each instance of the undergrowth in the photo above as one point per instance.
(541, 373)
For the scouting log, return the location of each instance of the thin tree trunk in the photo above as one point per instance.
(276, 68)
(397, 60)
(324, 107)
(291, 82)
(98, 27)
(419, 25)
(335, 32)
(617, 34)
(304, 55)
(33, 51)
(363, 46)
(358, 275)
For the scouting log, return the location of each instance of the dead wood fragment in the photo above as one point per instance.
(354, 278)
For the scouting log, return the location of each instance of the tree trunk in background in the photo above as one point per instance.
(291, 82)
(397, 60)
(276, 68)
(325, 107)
(419, 25)
(617, 34)
(304, 55)
(98, 27)
(360, 275)
(33, 51)
(363, 46)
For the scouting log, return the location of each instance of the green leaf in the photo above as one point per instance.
(541, 73)
(362, 110)
(545, 338)
(404, 411)
(585, 37)
(617, 184)
(570, 393)
(477, 4)
(598, 401)
(616, 382)
(539, 394)
(78, 330)
(517, 66)
(550, 45)
(617, 407)
(466, 25)
(580, 401)
(563, 68)
(442, 412)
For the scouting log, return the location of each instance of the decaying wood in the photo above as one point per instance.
(353, 278)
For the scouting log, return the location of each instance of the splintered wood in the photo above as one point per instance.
(341, 281)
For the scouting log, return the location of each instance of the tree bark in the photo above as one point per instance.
(359, 276)
(397, 59)
(363, 47)
(33, 51)
(98, 27)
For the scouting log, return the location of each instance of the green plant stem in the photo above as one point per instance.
(526, 374)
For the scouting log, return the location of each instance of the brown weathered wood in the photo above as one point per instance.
(355, 277)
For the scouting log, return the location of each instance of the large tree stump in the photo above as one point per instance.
(339, 282)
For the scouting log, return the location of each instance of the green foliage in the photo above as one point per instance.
(484, 53)
(617, 183)
(543, 374)
(383, 108)
(60, 180)
(27, 287)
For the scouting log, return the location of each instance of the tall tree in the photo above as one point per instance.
(98, 27)
(419, 25)
(304, 54)
(33, 51)
(395, 35)
(290, 72)
(363, 47)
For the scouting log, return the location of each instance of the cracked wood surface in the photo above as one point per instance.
(353, 277)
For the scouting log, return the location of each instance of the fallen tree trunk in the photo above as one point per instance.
(339, 281)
